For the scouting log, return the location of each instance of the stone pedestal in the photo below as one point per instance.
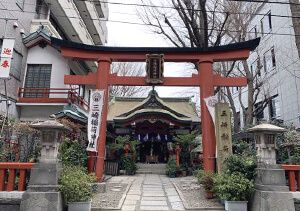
(271, 192)
(42, 192)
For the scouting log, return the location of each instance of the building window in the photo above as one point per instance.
(253, 33)
(269, 60)
(16, 65)
(38, 76)
(20, 3)
(256, 66)
(259, 111)
(266, 23)
(274, 107)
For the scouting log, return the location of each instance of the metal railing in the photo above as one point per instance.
(14, 176)
(52, 95)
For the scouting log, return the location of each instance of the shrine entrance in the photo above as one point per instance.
(153, 137)
(206, 80)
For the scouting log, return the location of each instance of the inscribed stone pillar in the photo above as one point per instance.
(223, 133)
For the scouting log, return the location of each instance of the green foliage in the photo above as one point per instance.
(120, 142)
(75, 184)
(206, 179)
(72, 153)
(171, 167)
(128, 164)
(241, 147)
(289, 147)
(244, 165)
(186, 141)
(234, 187)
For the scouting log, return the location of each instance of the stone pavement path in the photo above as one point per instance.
(152, 192)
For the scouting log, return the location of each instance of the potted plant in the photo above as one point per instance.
(76, 187)
(206, 179)
(171, 168)
(234, 189)
(129, 165)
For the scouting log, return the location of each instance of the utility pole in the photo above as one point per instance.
(5, 79)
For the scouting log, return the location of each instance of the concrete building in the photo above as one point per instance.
(276, 62)
(39, 90)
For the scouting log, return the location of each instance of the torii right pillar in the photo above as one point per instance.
(208, 81)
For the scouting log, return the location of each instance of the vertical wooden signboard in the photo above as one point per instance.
(223, 133)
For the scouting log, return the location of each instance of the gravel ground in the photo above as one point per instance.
(193, 194)
(111, 198)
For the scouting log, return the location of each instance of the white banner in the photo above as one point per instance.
(7, 48)
(5, 64)
(94, 119)
(211, 104)
(6, 56)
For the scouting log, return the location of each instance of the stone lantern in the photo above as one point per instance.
(42, 192)
(270, 182)
(265, 142)
(51, 137)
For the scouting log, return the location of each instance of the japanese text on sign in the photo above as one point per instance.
(6, 56)
(94, 119)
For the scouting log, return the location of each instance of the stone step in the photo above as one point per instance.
(144, 168)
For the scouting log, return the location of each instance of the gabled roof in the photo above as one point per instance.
(41, 35)
(125, 109)
(72, 112)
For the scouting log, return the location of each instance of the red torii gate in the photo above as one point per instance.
(205, 79)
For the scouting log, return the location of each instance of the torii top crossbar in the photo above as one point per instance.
(206, 79)
(235, 51)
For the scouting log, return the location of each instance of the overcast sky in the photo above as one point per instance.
(130, 35)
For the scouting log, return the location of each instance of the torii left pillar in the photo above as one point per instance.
(102, 76)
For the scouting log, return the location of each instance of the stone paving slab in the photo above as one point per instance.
(154, 203)
(154, 198)
(177, 206)
(154, 208)
(174, 199)
(154, 194)
(133, 197)
(158, 192)
(128, 207)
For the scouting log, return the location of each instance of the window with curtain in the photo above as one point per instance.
(38, 76)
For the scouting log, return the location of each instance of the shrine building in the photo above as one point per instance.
(153, 121)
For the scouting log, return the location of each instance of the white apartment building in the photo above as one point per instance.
(278, 57)
(41, 90)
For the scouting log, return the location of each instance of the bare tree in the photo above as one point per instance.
(206, 23)
(186, 22)
(128, 69)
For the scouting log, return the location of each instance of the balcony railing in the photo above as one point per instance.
(52, 95)
(9, 172)
(293, 173)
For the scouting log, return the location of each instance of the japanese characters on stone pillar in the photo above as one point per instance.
(154, 68)
(94, 118)
(6, 56)
(223, 133)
